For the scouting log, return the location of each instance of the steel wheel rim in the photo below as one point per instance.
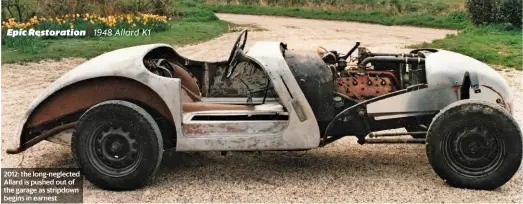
(113, 149)
(473, 148)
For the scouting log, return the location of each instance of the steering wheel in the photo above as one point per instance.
(233, 60)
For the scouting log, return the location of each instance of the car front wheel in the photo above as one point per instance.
(474, 144)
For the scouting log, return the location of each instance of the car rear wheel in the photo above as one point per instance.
(117, 145)
(474, 144)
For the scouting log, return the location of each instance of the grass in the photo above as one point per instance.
(454, 20)
(488, 44)
(179, 33)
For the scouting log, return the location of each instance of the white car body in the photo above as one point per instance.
(445, 72)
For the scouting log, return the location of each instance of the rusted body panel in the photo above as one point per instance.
(85, 94)
(211, 129)
(125, 63)
(32, 141)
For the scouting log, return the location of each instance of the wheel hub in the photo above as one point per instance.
(473, 149)
(116, 148)
(473, 145)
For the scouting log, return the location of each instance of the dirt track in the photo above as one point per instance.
(342, 172)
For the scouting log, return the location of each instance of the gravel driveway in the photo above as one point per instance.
(341, 172)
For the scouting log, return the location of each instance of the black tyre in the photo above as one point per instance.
(474, 144)
(117, 145)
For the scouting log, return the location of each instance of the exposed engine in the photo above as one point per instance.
(368, 85)
(374, 74)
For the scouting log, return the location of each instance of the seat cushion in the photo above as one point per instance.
(186, 79)
(191, 96)
(190, 103)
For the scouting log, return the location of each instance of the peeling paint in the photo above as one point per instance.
(216, 128)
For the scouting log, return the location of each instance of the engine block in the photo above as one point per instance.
(369, 85)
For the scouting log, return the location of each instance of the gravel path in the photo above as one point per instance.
(341, 172)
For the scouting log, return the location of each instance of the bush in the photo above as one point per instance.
(160, 7)
(481, 11)
(393, 7)
(484, 12)
(18, 9)
(512, 12)
(192, 11)
(23, 10)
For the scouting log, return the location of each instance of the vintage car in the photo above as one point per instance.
(129, 105)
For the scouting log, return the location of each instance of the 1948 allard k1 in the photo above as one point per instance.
(129, 105)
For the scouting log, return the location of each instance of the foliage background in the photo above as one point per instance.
(489, 30)
(394, 7)
(22, 10)
(189, 23)
(484, 12)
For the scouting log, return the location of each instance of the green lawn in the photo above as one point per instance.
(487, 44)
(180, 33)
(454, 20)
